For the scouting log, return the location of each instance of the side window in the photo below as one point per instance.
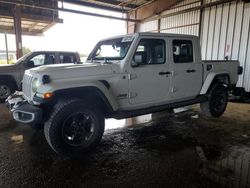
(150, 51)
(38, 60)
(43, 59)
(183, 51)
(67, 58)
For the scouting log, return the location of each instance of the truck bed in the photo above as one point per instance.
(221, 67)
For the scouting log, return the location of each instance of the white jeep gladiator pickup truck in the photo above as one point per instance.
(124, 76)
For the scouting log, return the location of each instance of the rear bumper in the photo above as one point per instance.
(22, 111)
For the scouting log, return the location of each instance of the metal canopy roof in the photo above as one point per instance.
(33, 21)
(29, 27)
(112, 5)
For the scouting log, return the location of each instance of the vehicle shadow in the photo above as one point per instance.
(244, 100)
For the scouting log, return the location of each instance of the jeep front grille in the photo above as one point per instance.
(27, 84)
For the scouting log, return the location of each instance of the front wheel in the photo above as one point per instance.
(75, 127)
(217, 101)
(6, 89)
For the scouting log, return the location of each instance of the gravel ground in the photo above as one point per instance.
(179, 150)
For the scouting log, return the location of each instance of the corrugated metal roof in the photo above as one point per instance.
(114, 5)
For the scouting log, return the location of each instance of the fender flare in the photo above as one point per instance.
(210, 78)
(8, 78)
(84, 91)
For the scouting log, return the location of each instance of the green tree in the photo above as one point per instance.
(26, 50)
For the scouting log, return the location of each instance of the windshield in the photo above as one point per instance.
(23, 57)
(114, 49)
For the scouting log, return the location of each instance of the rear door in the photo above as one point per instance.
(149, 83)
(186, 80)
(67, 58)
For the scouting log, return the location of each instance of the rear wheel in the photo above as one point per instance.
(6, 89)
(75, 127)
(217, 101)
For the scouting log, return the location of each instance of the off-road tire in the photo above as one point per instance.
(11, 86)
(54, 126)
(217, 101)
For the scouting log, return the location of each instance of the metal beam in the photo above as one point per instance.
(18, 31)
(124, 3)
(71, 11)
(33, 33)
(114, 3)
(89, 4)
(97, 15)
(26, 16)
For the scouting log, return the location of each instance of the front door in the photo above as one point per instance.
(186, 81)
(149, 81)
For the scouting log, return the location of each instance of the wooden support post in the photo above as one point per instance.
(159, 25)
(200, 20)
(18, 31)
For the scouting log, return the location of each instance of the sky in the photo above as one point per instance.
(77, 33)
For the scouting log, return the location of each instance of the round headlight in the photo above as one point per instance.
(36, 84)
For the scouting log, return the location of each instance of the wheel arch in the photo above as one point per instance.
(9, 78)
(89, 93)
(212, 78)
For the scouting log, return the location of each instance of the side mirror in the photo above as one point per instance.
(30, 64)
(137, 61)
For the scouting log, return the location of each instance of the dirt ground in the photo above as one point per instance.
(179, 150)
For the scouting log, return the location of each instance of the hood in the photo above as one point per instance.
(7, 67)
(62, 71)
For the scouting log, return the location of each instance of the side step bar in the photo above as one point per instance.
(153, 109)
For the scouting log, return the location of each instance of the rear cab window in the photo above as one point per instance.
(67, 58)
(183, 51)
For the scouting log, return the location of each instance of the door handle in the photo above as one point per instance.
(190, 70)
(164, 73)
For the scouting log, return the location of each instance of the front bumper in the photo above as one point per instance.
(22, 111)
